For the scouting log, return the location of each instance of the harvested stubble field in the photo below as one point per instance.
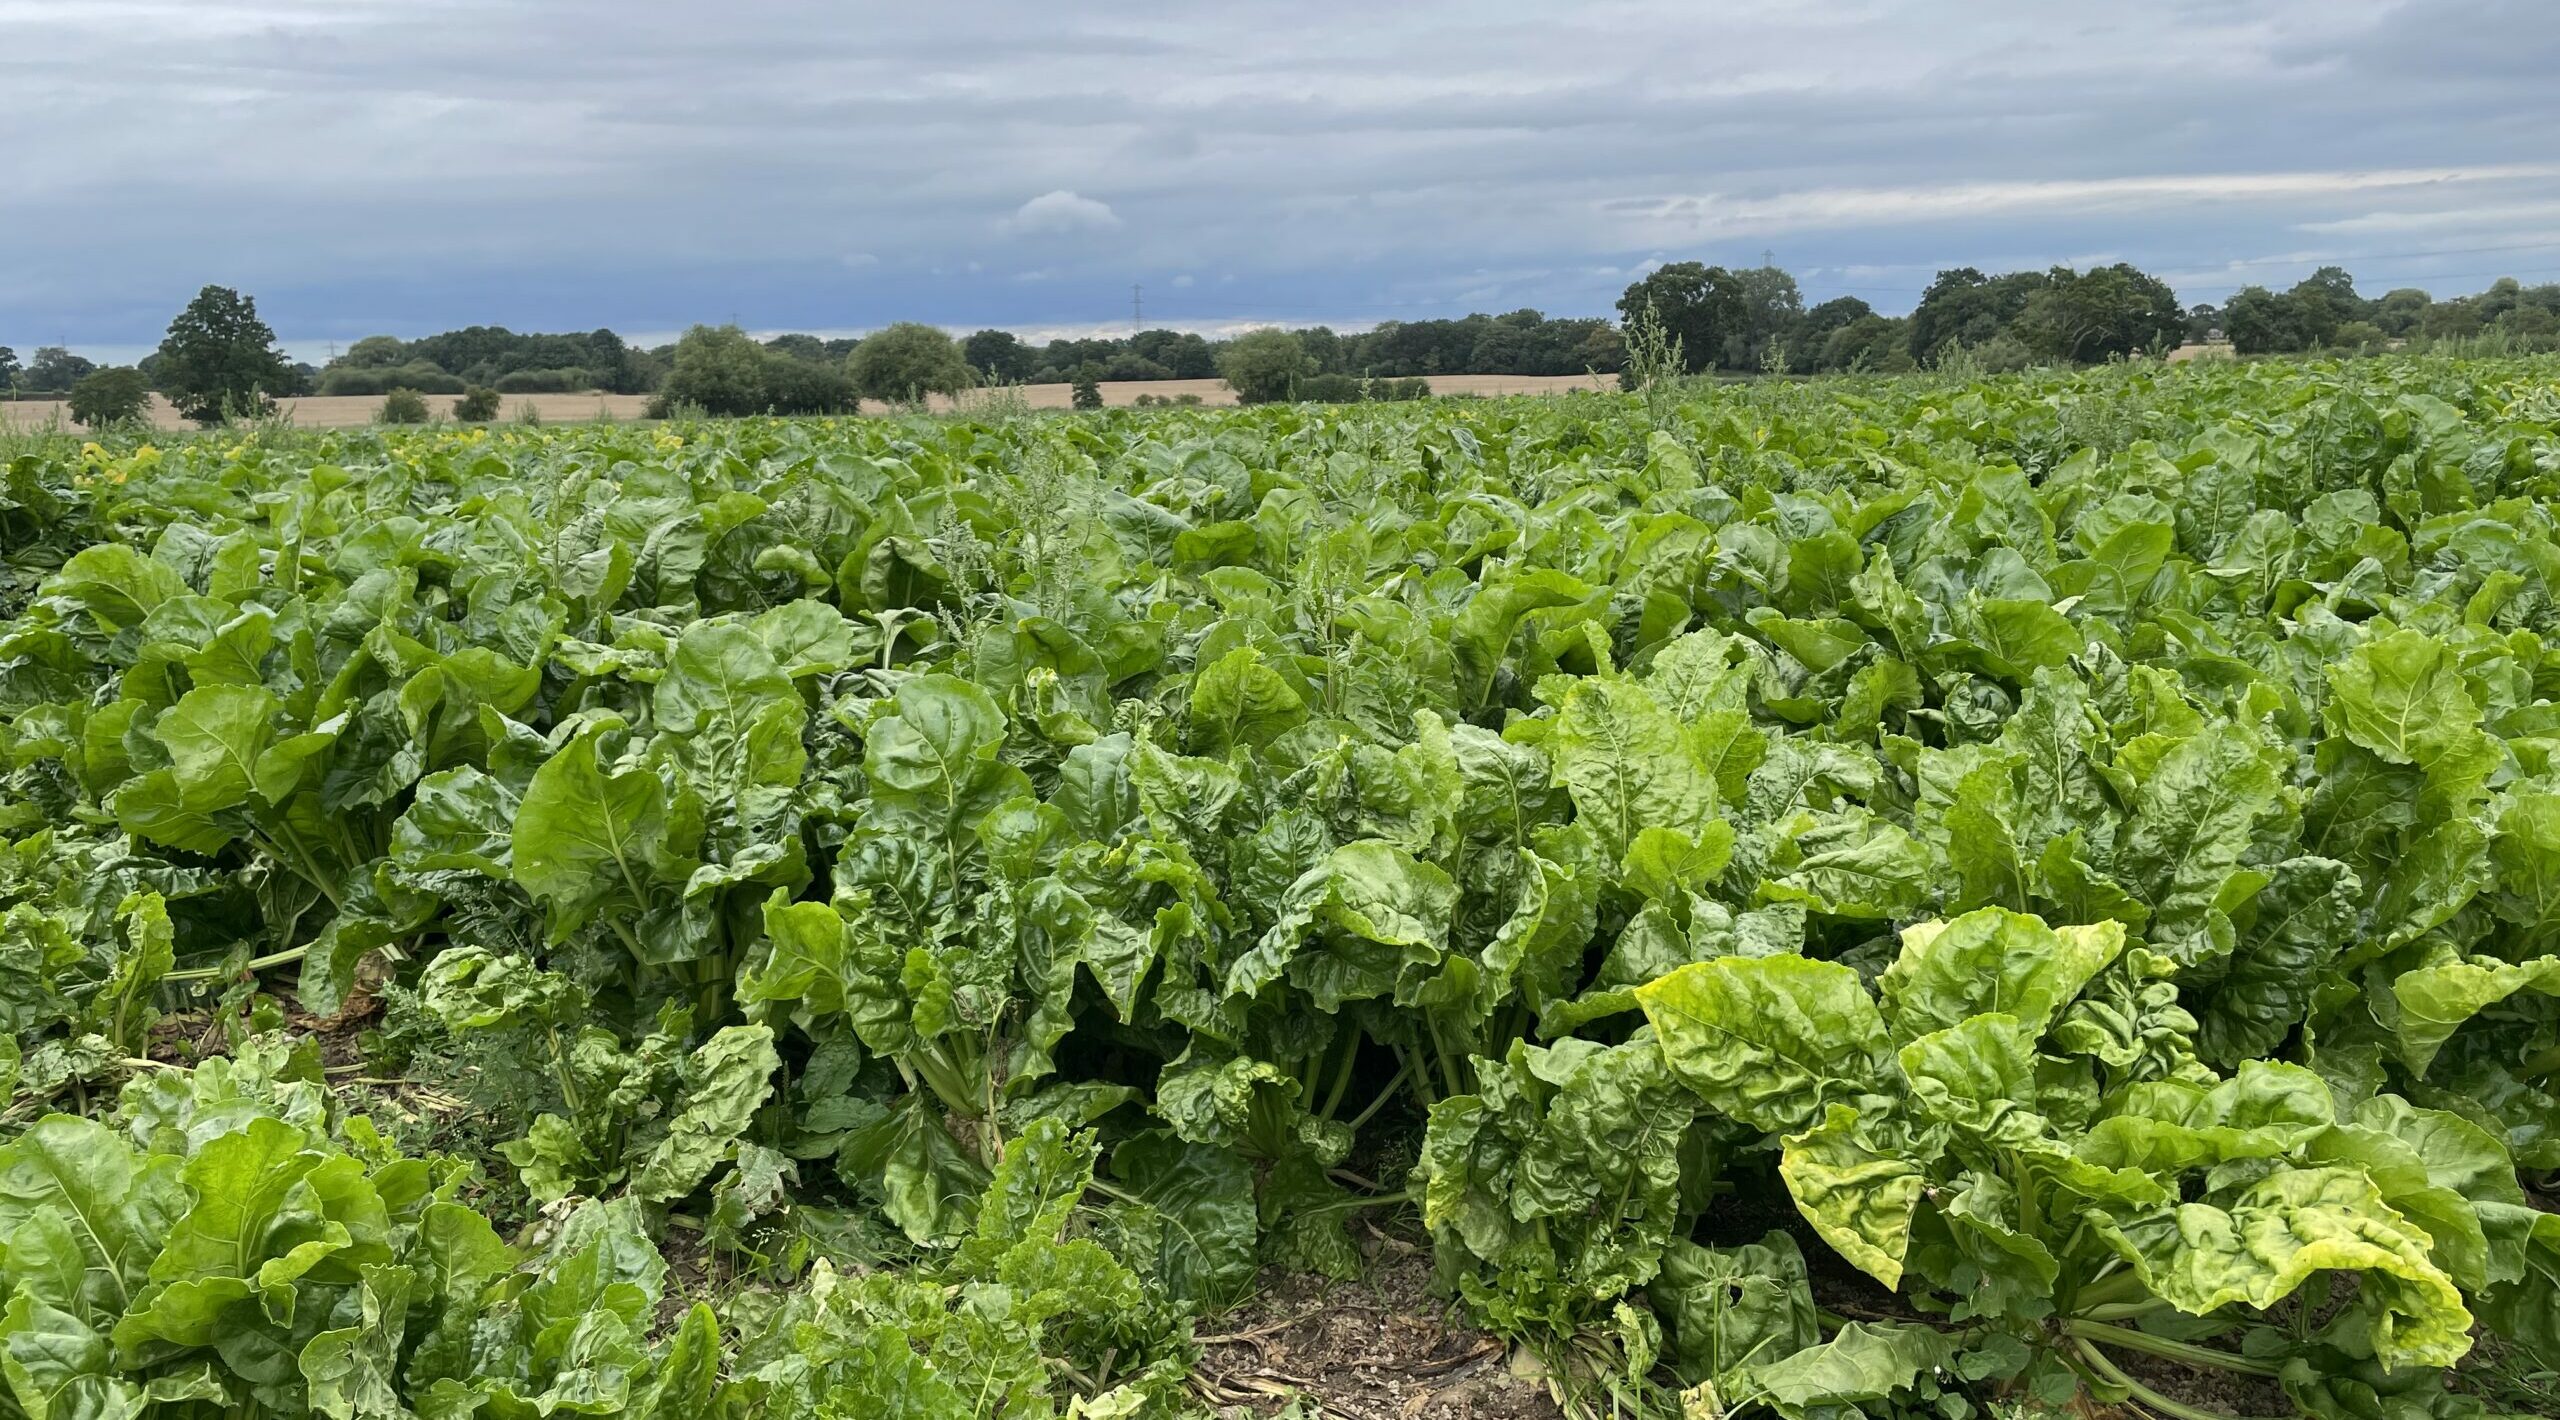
(357, 412)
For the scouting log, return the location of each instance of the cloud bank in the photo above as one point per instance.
(644, 164)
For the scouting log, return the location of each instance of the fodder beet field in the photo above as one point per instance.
(1910, 898)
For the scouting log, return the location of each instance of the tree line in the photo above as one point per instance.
(723, 370)
(492, 357)
(1521, 342)
(1714, 318)
(220, 360)
(1755, 320)
(2324, 312)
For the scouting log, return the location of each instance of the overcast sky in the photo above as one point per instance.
(366, 166)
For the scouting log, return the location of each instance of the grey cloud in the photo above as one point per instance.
(645, 162)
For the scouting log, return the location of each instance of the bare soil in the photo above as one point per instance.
(357, 411)
(1382, 1348)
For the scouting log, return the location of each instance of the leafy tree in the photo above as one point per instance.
(568, 381)
(2494, 303)
(1705, 308)
(1085, 391)
(2316, 312)
(1870, 344)
(9, 368)
(905, 362)
(219, 359)
(2400, 311)
(1182, 355)
(798, 347)
(1504, 347)
(1966, 308)
(1521, 342)
(2450, 320)
(2000, 355)
(1422, 347)
(718, 369)
(650, 368)
(1328, 389)
(419, 375)
(374, 352)
(2261, 322)
(486, 354)
(1059, 358)
(55, 368)
(478, 405)
(1601, 349)
(722, 371)
(1524, 342)
(793, 386)
(1129, 365)
(1263, 366)
(999, 355)
(2109, 312)
(402, 407)
(2324, 301)
(1690, 303)
(1808, 343)
(2535, 325)
(1328, 350)
(500, 358)
(112, 396)
(1771, 307)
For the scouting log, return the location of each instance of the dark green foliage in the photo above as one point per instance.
(998, 355)
(2080, 845)
(1265, 366)
(795, 386)
(566, 381)
(494, 356)
(1701, 307)
(1869, 344)
(478, 405)
(403, 406)
(2106, 313)
(1964, 308)
(220, 361)
(902, 363)
(383, 379)
(54, 370)
(1180, 354)
(111, 396)
(722, 371)
(718, 370)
